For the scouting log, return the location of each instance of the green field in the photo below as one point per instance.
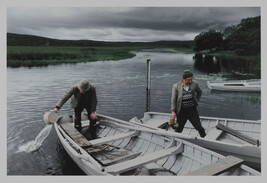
(48, 55)
(42, 55)
(28, 50)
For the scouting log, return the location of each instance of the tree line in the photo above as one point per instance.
(30, 40)
(243, 38)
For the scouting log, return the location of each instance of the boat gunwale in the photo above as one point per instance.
(83, 154)
(235, 81)
(207, 117)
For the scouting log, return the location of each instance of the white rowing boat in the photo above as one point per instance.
(240, 138)
(252, 85)
(124, 148)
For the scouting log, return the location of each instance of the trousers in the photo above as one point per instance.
(78, 111)
(192, 115)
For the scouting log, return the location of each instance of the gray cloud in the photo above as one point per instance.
(124, 24)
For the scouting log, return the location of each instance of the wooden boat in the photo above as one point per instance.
(252, 85)
(124, 148)
(240, 138)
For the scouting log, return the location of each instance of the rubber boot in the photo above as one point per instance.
(92, 131)
(202, 133)
(78, 125)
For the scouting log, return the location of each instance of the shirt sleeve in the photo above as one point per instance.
(93, 100)
(65, 98)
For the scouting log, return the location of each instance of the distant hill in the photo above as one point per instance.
(30, 40)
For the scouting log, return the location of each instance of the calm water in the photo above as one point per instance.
(121, 91)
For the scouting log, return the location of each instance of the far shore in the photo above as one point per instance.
(29, 56)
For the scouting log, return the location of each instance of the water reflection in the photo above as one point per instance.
(147, 100)
(232, 68)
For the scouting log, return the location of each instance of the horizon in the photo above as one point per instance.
(98, 40)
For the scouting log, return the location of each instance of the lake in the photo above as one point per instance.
(121, 92)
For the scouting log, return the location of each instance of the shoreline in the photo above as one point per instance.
(28, 56)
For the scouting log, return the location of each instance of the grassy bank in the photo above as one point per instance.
(186, 50)
(42, 56)
(49, 55)
(30, 50)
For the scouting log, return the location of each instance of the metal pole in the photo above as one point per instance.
(148, 83)
(148, 74)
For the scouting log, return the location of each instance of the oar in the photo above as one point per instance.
(125, 122)
(157, 131)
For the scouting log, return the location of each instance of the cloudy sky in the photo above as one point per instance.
(123, 24)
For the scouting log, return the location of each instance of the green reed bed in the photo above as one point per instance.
(186, 50)
(42, 56)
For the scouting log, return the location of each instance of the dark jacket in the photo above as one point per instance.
(177, 94)
(76, 98)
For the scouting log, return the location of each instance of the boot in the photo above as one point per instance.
(92, 132)
(202, 133)
(78, 127)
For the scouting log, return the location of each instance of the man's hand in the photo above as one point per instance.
(55, 110)
(93, 115)
(173, 115)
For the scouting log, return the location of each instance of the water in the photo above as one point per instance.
(36, 144)
(227, 67)
(33, 147)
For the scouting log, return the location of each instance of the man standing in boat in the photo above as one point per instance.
(185, 97)
(83, 96)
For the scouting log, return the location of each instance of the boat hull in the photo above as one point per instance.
(87, 168)
(125, 148)
(236, 85)
(251, 155)
(223, 143)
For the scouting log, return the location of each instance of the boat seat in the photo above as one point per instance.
(142, 160)
(107, 154)
(75, 135)
(217, 167)
(213, 134)
(105, 140)
(238, 134)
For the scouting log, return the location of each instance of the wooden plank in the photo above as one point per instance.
(139, 161)
(213, 134)
(237, 134)
(111, 138)
(123, 158)
(217, 167)
(75, 135)
(108, 154)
